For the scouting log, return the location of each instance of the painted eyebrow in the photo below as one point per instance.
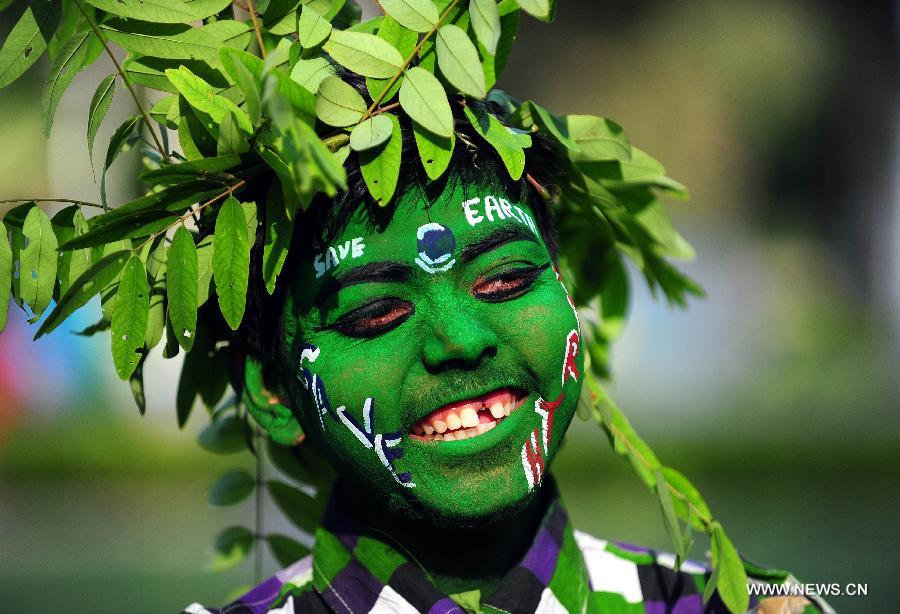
(374, 272)
(494, 241)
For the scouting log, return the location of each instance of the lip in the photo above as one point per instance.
(469, 418)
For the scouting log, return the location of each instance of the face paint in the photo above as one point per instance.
(436, 244)
(334, 255)
(383, 445)
(497, 209)
(442, 350)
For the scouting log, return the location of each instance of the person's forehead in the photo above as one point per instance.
(453, 220)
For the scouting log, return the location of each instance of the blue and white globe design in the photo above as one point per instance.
(436, 244)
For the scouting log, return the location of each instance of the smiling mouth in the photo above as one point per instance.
(468, 418)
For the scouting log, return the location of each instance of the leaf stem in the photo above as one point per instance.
(192, 211)
(252, 10)
(144, 115)
(52, 200)
(412, 56)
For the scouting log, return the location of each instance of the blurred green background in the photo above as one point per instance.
(778, 394)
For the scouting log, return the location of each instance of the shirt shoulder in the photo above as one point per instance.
(289, 591)
(627, 578)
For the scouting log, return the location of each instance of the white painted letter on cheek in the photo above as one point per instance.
(319, 266)
(344, 249)
(491, 206)
(507, 208)
(331, 258)
(472, 216)
(358, 247)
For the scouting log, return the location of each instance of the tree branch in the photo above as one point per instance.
(144, 115)
(252, 10)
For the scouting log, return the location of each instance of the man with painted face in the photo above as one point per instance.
(431, 353)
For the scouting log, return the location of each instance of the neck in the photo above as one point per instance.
(457, 558)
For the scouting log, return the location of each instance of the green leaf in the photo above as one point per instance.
(204, 269)
(88, 285)
(293, 503)
(508, 143)
(231, 487)
(231, 261)
(691, 495)
(156, 320)
(206, 168)
(236, 67)
(285, 550)
(338, 103)
(509, 26)
(486, 22)
(381, 166)
(670, 519)
(232, 139)
(598, 138)
(223, 436)
(182, 287)
(37, 266)
(231, 547)
(364, 54)
(545, 10)
(66, 65)
(423, 98)
(161, 11)
(405, 41)
(99, 106)
(554, 125)
(296, 95)
(312, 28)
(176, 41)
(279, 230)
(310, 73)
(6, 262)
(434, 151)
(458, 60)
(151, 72)
(417, 15)
(67, 224)
(136, 384)
(129, 317)
(729, 577)
(28, 39)
(371, 133)
(121, 140)
(202, 97)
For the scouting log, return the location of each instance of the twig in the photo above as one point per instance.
(259, 40)
(137, 100)
(387, 108)
(411, 57)
(181, 219)
(544, 192)
(52, 200)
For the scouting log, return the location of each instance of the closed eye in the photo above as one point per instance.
(373, 319)
(508, 285)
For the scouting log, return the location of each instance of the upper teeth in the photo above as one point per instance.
(468, 419)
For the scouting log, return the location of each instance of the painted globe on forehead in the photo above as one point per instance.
(436, 244)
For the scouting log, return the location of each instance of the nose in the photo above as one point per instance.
(457, 339)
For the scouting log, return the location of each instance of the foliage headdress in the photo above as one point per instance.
(262, 88)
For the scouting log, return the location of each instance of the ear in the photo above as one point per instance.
(267, 408)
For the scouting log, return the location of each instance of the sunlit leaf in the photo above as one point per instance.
(88, 285)
(65, 67)
(27, 40)
(486, 22)
(312, 28)
(509, 144)
(279, 229)
(545, 10)
(161, 11)
(202, 97)
(129, 317)
(338, 103)
(231, 261)
(417, 15)
(458, 61)
(176, 41)
(310, 73)
(364, 54)
(729, 577)
(234, 63)
(423, 98)
(182, 287)
(434, 151)
(405, 41)
(37, 267)
(371, 133)
(381, 166)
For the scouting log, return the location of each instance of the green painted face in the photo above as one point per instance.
(436, 355)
